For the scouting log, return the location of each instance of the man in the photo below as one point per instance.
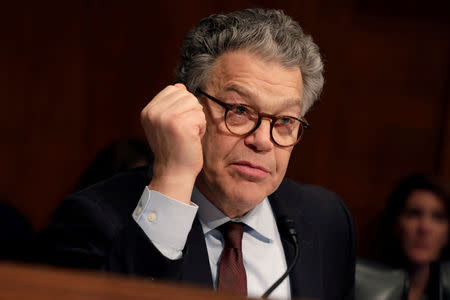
(222, 139)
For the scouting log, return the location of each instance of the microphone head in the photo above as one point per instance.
(287, 226)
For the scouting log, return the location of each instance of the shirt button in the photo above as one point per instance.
(151, 217)
(139, 210)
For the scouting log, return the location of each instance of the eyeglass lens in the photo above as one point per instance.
(242, 119)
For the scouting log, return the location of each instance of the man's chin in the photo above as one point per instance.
(245, 197)
(251, 191)
(240, 207)
(236, 194)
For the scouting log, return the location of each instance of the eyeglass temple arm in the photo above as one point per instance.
(223, 104)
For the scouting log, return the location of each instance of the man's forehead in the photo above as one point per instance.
(250, 77)
(249, 93)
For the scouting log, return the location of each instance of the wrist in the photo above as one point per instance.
(176, 185)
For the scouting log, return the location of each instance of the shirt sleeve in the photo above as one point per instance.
(165, 221)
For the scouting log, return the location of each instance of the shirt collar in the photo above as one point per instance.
(260, 218)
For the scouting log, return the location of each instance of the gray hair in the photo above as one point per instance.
(270, 34)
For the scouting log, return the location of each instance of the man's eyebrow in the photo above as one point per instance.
(246, 93)
(242, 91)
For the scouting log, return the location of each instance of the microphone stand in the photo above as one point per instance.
(287, 225)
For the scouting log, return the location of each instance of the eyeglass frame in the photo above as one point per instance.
(303, 122)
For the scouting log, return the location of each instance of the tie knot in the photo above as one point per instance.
(232, 233)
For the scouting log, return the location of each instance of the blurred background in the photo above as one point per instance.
(75, 75)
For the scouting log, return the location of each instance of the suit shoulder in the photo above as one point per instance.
(323, 214)
(308, 194)
(112, 199)
(314, 202)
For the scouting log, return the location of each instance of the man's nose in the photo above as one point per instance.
(260, 139)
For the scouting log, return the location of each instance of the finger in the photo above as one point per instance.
(165, 98)
(180, 86)
(173, 107)
(183, 102)
(176, 108)
(172, 95)
(195, 119)
(189, 120)
(165, 93)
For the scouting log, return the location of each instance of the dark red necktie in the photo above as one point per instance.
(232, 278)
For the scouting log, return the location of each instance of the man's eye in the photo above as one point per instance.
(284, 121)
(239, 109)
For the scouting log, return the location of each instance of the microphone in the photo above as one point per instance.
(286, 226)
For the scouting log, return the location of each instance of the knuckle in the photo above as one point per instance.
(150, 116)
(143, 114)
(202, 117)
(170, 88)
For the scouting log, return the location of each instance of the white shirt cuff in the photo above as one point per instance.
(165, 221)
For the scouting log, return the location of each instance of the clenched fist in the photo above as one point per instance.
(174, 124)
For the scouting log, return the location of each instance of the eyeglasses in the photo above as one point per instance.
(242, 119)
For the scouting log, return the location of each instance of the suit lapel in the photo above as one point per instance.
(196, 267)
(305, 277)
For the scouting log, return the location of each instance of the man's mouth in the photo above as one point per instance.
(251, 170)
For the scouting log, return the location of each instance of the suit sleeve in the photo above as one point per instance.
(90, 231)
(79, 235)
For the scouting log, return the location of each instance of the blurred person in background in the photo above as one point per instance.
(15, 233)
(414, 234)
(118, 156)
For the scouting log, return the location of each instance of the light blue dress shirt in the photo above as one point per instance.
(167, 223)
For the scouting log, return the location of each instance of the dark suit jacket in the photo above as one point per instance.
(94, 229)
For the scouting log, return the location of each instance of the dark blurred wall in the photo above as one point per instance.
(75, 75)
